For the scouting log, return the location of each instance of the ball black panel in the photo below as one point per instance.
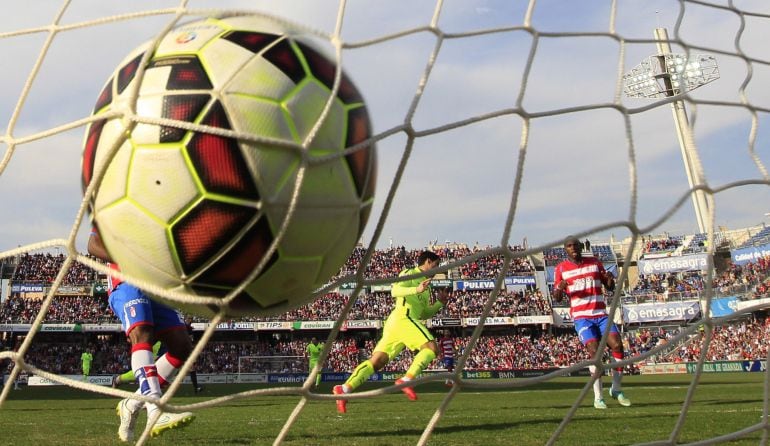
(252, 41)
(363, 162)
(105, 97)
(202, 233)
(323, 70)
(242, 258)
(89, 151)
(282, 55)
(187, 73)
(127, 73)
(180, 108)
(219, 161)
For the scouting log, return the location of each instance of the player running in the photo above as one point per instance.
(581, 279)
(403, 328)
(143, 321)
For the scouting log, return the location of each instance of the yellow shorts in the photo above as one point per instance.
(401, 331)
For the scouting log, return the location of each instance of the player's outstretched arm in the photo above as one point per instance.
(96, 247)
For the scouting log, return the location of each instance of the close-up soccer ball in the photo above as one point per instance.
(196, 211)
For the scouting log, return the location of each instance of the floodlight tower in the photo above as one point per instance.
(668, 75)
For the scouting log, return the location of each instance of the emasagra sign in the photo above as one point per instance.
(695, 262)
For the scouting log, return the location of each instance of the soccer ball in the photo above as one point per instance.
(196, 210)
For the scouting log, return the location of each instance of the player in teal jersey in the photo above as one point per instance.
(403, 328)
(313, 353)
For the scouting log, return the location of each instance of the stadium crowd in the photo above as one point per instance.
(368, 306)
(746, 339)
(389, 262)
(43, 268)
(743, 340)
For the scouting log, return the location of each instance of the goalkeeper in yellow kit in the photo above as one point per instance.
(403, 328)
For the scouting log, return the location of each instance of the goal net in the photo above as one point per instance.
(508, 123)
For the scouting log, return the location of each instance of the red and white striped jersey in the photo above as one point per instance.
(584, 286)
(447, 347)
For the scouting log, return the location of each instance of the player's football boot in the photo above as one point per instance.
(622, 400)
(115, 382)
(168, 421)
(600, 404)
(407, 390)
(341, 404)
(127, 420)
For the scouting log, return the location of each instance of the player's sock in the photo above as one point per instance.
(597, 383)
(145, 370)
(167, 366)
(359, 376)
(421, 361)
(617, 372)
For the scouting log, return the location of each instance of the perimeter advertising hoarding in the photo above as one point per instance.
(510, 281)
(750, 254)
(723, 306)
(693, 262)
(661, 312)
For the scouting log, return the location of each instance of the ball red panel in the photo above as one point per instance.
(323, 70)
(252, 41)
(242, 258)
(89, 151)
(219, 161)
(127, 73)
(184, 108)
(283, 57)
(202, 232)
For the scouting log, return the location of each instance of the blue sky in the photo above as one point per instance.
(458, 184)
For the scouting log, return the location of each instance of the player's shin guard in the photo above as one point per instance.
(421, 361)
(360, 374)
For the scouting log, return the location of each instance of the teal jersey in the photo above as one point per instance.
(314, 351)
(410, 303)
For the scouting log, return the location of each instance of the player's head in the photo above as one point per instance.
(574, 247)
(314, 340)
(427, 260)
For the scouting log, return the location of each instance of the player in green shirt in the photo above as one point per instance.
(86, 358)
(313, 353)
(403, 328)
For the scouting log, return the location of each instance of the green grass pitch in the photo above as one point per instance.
(40, 416)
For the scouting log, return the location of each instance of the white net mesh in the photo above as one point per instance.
(494, 123)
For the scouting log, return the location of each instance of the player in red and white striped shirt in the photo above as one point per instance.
(447, 346)
(581, 279)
